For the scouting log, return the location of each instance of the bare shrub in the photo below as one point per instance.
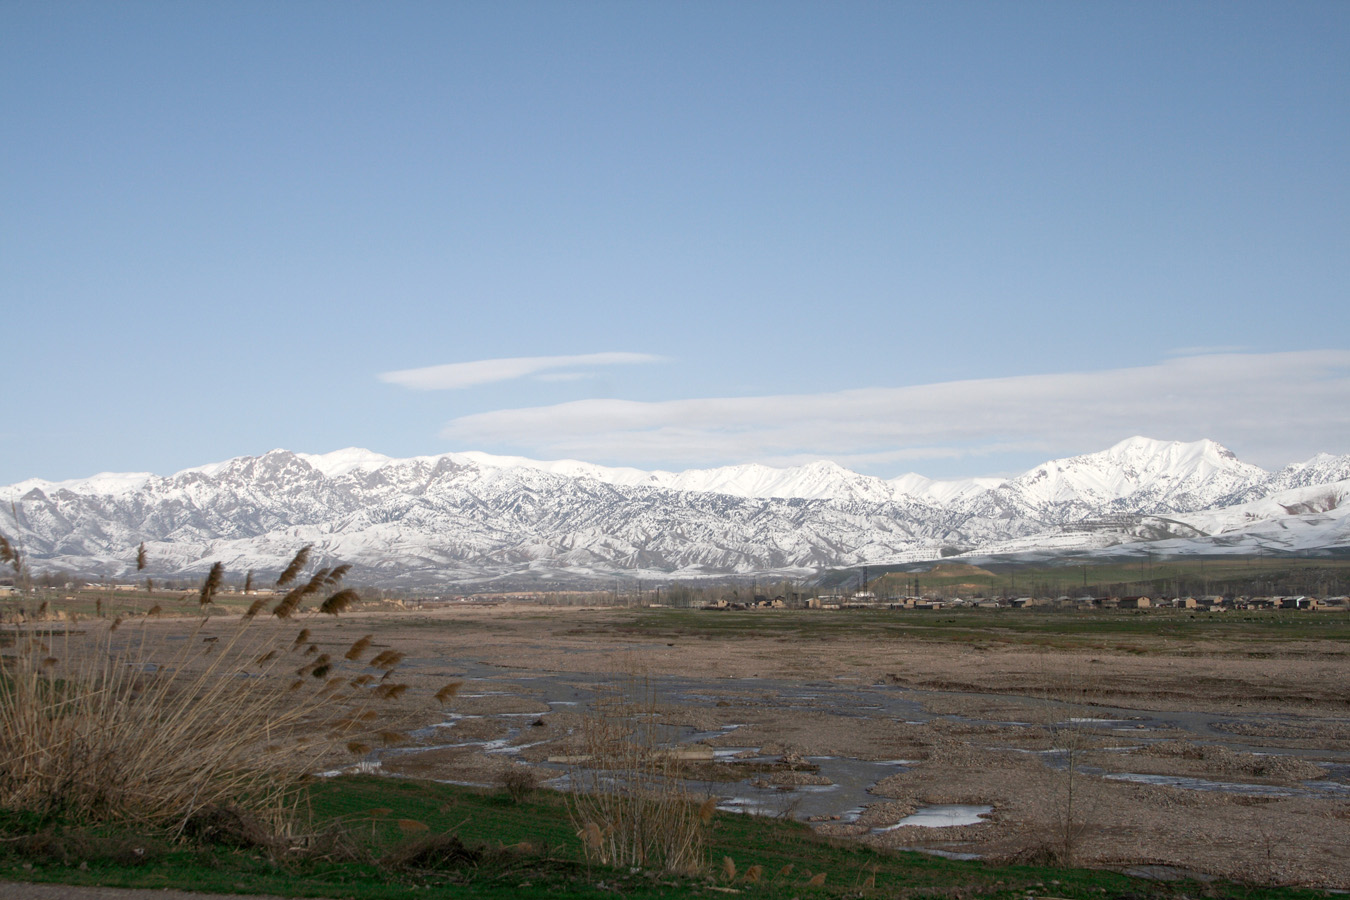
(519, 782)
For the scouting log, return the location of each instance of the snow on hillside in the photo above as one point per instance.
(1313, 505)
(942, 492)
(1168, 474)
(1321, 469)
(102, 483)
(475, 516)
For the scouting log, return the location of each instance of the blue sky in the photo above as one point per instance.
(951, 238)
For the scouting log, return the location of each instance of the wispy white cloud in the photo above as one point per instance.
(1204, 351)
(1267, 406)
(486, 371)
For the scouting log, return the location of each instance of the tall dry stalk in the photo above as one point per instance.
(629, 804)
(1068, 690)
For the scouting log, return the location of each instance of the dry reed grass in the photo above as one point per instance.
(107, 727)
(630, 806)
(115, 722)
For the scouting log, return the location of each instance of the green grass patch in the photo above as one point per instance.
(1143, 630)
(385, 838)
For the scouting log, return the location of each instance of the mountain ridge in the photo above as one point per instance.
(471, 516)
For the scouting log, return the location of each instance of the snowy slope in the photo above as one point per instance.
(473, 516)
(1144, 473)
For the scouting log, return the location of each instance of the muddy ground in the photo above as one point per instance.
(1212, 758)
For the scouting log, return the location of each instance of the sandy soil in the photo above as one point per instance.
(1041, 736)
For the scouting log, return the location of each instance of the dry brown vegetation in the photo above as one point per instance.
(131, 721)
(628, 799)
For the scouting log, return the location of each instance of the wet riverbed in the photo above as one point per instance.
(846, 782)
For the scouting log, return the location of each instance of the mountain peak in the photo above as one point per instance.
(1142, 473)
(340, 462)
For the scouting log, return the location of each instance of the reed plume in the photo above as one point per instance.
(140, 557)
(248, 582)
(359, 647)
(212, 584)
(289, 604)
(255, 607)
(296, 595)
(386, 660)
(337, 574)
(300, 638)
(339, 602)
(296, 564)
(449, 691)
(9, 554)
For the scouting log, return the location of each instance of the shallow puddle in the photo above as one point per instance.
(942, 816)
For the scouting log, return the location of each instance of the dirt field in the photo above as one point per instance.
(1218, 757)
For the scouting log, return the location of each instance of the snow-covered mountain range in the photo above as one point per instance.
(473, 517)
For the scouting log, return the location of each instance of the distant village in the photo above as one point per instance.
(857, 600)
(869, 600)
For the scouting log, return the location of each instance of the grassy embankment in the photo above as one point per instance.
(381, 838)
